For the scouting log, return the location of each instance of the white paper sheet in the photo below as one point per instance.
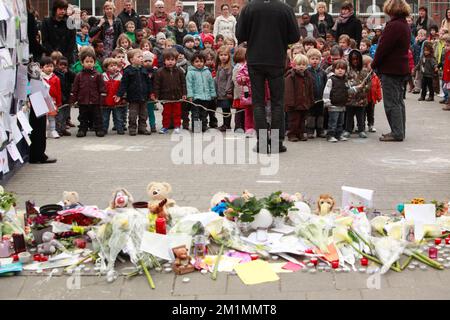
(5, 13)
(14, 152)
(4, 161)
(23, 119)
(21, 83)
(424, 213)
(38, 103)
(16, 133)
(160, 245)
(363, 195)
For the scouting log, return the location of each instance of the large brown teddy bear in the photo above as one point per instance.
(159, 202)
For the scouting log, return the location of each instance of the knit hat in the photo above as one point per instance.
(209, 38)
(179, 49)
(187, 38)
(160, 36)
(148, 56)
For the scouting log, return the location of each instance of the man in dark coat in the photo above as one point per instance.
(200, 15)
(128, 14)
(259, 21)
(56, 35)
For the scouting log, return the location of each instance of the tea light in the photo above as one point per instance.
(440, 260)
(437, 241)
(411, 267)
(327, 269)
(310, 265)
(335, 264)
(362, 270)
(169, 269)
(275, 258)
(312, 271)
(158, 269)
(448, 258)
(254, 256)
(167, 265)
(423, 268)
(24, 257)
(39, 271)
(364, 261)
(447, 240)
(346, 270)
(186, 280)
(204, 271)
(338, 270)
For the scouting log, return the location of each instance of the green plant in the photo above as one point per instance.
(7, 199)
(279, 203)
(245, 210)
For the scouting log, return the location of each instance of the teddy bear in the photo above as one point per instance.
(49, 245)
(182, 263)
(159, 203)
(325, 204)
(121, 198)
(71, 200)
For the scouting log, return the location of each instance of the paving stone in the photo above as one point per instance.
(353, 280)
(138, 287)
(299, 282)
(224, 297)
(353, 294)
(235, 285)
(200, 284)
(11, 287)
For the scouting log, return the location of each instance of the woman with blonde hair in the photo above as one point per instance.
(108, 30)
(322, 19)
(391, 62)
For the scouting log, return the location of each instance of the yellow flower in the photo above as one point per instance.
(340, 234)
(431, 230)
(78, 229)
(344, 221)
(395, 230)
(378, 223)
(418, 201)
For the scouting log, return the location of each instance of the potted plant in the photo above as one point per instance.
(244, 210)
(39, 225)
(279, 203)
(7, 200)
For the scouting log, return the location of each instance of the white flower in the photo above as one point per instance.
(379, 222)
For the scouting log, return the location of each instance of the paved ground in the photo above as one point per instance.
(418, 167)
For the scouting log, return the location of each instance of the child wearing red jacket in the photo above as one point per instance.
(55, 92)
(446, 72)
(374, 95)
(112, 77)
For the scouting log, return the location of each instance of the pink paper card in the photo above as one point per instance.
(292, 266)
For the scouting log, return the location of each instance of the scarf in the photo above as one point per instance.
(343, 18)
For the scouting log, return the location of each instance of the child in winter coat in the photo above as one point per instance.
(188, 44)
(53, 81)
(170, 84)
(446, 71)
(200, 90)
(239, 116)
(428, 67)
(89, 91)
(112, 77)
(159, 48)
(224, 85)
(130, 28)
(374, 95)
(137, 87)
(149, 63)
(299, 97)
(180, 30)
(66, 77)
(357, 75)
(82, 38)
(417, 53)
(314, 120)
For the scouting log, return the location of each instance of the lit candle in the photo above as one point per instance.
(314, 261)
(160, 225)
(335, 264)
(432, 253)
(364, 261)
(437, 241)
(447, 240)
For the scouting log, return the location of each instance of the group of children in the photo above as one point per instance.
(328, 82)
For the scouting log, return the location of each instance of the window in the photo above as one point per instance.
(370, 7)
(142, 7)
(85, 5)
(191, 7)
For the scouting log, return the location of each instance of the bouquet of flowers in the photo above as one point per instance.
(280, 203)
(244, 209)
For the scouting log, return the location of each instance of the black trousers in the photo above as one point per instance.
(200, 115)
(351, 112)
(91, 113)
(370, 114)
(275, 77)
(427, 83)
(185, 108)
(38, 137)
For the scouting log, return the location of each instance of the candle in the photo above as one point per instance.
(437, 241)
(254, 256)
(447, 240)
(4, 248)
(19, 243)
(160, 225)
(432, 253)
(364, 261)
(314, 261)
(335, 264)
(199, 246)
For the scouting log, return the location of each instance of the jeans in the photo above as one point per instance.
(90, 113)
(335, 123)
(61, 118)
(137, 117)
(353, 111)
(427, 83)
(151, 114)
(225, 105)
(117, 115)
(199, 114)
(394, 105)
(275, 77)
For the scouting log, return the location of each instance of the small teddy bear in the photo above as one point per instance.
(49, 245)
(71, 200)
(122, 198)
(325, 204)
(159, 203)
(182, 263)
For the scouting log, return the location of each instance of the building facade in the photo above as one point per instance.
(364, 8)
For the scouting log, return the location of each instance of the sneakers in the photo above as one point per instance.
(323, 135)
(362, 135)
(372, 129)
(176, 130)
(100, 134)
(121, 132)
(223, 128)
(64, 133)
(81, 134)
(346, 134)
(342, 138)
(429, 99)
(446, 108)
(332, 139)
(250, 133)
(144, 132)
(443, 101)
(163, 131)
(153, 129)
(310, 136)
(421, 99)
(53, 134)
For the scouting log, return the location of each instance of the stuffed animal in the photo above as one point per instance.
(325, 204)
(247, 195)
(159, 203)
(182, 263)
(122, 198)
(71, 199)
(49, 245)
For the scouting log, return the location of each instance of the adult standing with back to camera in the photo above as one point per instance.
(268, 26)
(391, 62)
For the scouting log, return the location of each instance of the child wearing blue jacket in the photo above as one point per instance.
(200, 90)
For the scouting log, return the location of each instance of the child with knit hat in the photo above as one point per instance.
(159, 47)
(188, 43)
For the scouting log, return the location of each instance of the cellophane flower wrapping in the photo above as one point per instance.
(226, 232)
(315, 232)
(388, 250)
